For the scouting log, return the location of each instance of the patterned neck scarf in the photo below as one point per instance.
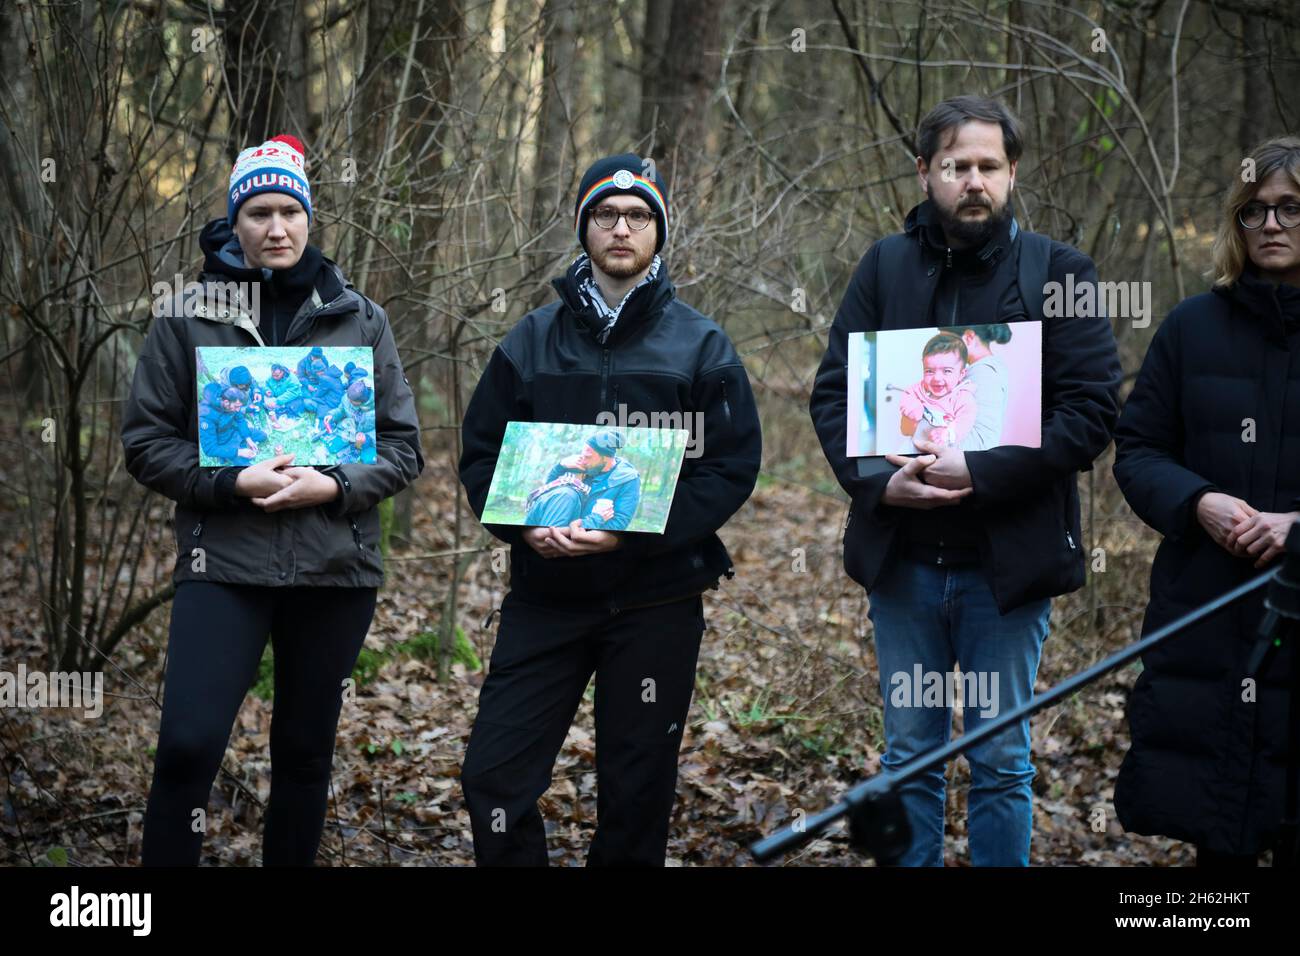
(591, 295)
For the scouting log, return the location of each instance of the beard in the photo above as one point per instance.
(623, 266)
(968, 232)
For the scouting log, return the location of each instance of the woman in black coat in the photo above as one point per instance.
(273, 548)
(1208, 454)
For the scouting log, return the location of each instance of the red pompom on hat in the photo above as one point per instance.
(289, 140)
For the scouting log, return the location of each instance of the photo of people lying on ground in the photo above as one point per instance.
(611, 479)
(970, 387)
(315, 403)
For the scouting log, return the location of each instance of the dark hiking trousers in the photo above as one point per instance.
(644, 662)
(218, 633)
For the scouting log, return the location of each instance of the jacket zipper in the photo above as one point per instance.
(197, 535)
(356, 532)
(604, 375)
(1069, 538)
(313, 313)
(726, 406)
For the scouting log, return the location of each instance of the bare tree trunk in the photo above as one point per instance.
(675, 96)
(654, 43)
(263, 45)
(438, 53)
(1256, 103)
(25, 216)
(553, 167)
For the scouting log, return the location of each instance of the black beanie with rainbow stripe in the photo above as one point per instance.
(626, 174)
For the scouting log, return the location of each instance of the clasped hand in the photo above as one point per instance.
(1243, 531)
(939, 477)
(273, 485)
(570, 541)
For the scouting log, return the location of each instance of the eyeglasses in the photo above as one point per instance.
(607, 217)
(1253, 215)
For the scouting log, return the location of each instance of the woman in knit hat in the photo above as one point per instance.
(271, 548)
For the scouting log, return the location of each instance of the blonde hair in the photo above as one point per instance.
(1229, 245)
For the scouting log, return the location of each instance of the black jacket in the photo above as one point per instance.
(1024, 511)
(335, 544)
(1205, 765)
(662, 357)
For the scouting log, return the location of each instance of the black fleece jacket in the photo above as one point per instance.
(662, 357)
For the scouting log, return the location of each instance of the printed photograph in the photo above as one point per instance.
(550, 474)
(316, 403)
(969, 387)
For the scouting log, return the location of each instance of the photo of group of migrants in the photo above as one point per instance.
(967, 387)
(256, 402)
(551, 474)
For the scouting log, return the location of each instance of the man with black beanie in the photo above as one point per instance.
(625, 606)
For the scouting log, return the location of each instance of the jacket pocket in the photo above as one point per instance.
(1074, 572)
(188, 530)
(1067, 519)
(325, 544)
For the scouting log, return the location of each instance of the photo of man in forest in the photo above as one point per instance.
(594, 486)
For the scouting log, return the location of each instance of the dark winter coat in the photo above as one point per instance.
(335, 544)
(1206, 765)
(1023, 515)
(662, 357)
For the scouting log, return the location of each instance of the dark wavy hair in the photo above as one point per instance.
(954, 113)
(999, 333)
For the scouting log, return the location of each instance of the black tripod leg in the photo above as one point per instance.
(1284, 852)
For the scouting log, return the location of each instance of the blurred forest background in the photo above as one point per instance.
(444, 140)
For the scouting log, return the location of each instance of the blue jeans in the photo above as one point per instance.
(926, 617)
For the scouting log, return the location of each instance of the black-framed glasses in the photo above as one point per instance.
(1253, 215)
(607, 217)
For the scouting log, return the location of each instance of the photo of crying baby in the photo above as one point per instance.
(972, 387)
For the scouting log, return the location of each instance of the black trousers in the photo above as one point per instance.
(644, 662)
(218, 633)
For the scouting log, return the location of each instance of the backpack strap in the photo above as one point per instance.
(889, 262)
(1033, 255)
